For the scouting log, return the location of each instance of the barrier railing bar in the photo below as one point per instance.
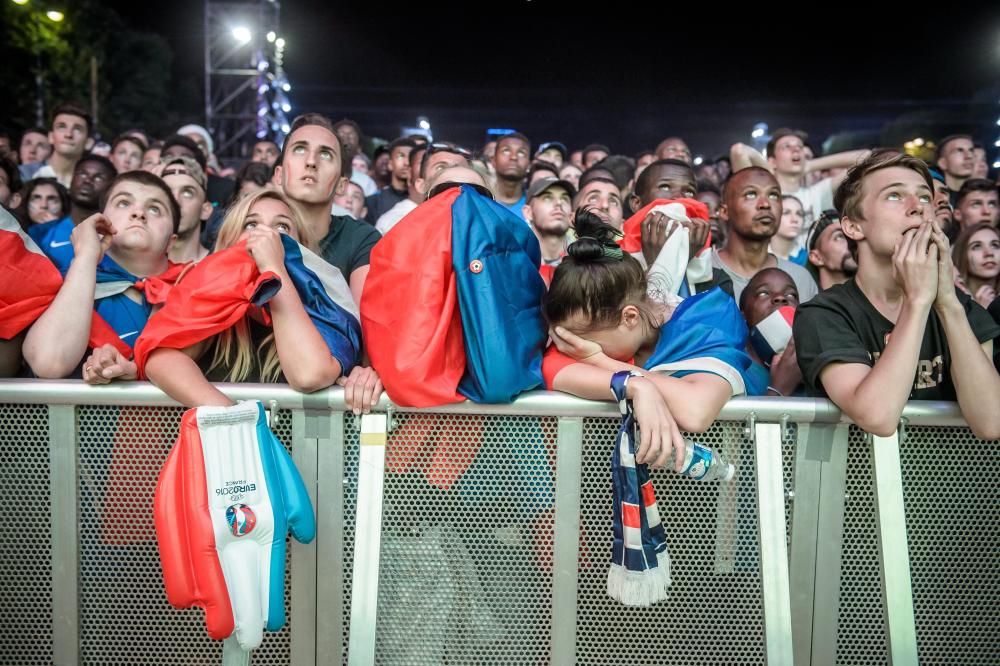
(566, 540)
(897, 592)
(533, 403)
(773, 549)
(65, 535)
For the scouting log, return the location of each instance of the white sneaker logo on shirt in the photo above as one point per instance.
(54, 244)
(127, 335)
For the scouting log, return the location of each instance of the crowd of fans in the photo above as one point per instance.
(869, 277)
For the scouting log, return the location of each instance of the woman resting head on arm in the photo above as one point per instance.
(601, 315)
(292, 350)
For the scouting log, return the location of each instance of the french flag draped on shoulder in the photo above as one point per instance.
(126, 317)
(30, 281)
(452, 304)
(30, 284)
(219, 290)
(706, 333)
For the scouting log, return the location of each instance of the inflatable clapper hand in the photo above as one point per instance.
(226, 496)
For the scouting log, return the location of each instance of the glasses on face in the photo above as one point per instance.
(441, 187)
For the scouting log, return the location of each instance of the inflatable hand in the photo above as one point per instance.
(227, 494)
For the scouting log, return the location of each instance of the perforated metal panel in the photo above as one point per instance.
(352, 437)
(952, 513)
(25, 545)
(788, 448)
(714, 614)
(861, 638)
(466, 569)
(124, 614)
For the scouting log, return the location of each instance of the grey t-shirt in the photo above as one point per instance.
(803, 281)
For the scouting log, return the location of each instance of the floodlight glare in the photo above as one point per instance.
(242, 34)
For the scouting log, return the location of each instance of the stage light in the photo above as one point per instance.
(55, 16)
(271, 36)
(242, 34)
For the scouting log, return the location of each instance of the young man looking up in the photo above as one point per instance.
(786, 159)
(399, 175)
(187, 182)
(899, 330)
(602, 196)
(129, 239)
(977, 201)
(511, 163)
(752, 210)
(91, 179)
(68, 138)
(35, 146)
(548, 212)
(311, 171)
(266, 151)
(414, 196)
(956, 158)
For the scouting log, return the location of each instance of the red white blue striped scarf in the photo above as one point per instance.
(640, 566)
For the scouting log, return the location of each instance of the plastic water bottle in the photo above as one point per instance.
(703, 464)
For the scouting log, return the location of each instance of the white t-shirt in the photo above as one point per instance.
(815, 199)
(368, 185)
(47, 172)
(391, 217)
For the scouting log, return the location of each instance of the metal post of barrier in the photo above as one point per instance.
(368, 541)
(830, 539)
(303, 556)
(566, 540)
(890, 515)
(773, 548)
(65, 535)
(329, 432)
(817, 535)
(805, 518)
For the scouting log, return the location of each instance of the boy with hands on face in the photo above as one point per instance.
(899, 330)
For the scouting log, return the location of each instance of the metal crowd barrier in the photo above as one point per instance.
(829, 546)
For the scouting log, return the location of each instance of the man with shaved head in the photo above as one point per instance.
(752, 209)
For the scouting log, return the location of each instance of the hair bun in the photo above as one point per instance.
(596, 240)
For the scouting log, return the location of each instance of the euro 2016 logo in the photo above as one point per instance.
(241, 519)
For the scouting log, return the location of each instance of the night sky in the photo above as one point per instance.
(556, 71)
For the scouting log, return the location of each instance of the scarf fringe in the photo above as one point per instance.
(640, 588)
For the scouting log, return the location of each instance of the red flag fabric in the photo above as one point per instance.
(30, 280)
(632, 241)
(211, 297)
(413, 329)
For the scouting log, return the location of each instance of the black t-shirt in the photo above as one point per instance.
(840, 325)
(258, 333)
(348, 244)
(219, 189)
(720, 278)
(382, 201)
(994, 311)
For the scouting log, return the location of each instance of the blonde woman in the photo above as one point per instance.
(307, 343)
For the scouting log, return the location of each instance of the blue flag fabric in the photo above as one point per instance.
(327, 300)
(495, 257)
(706, 333)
